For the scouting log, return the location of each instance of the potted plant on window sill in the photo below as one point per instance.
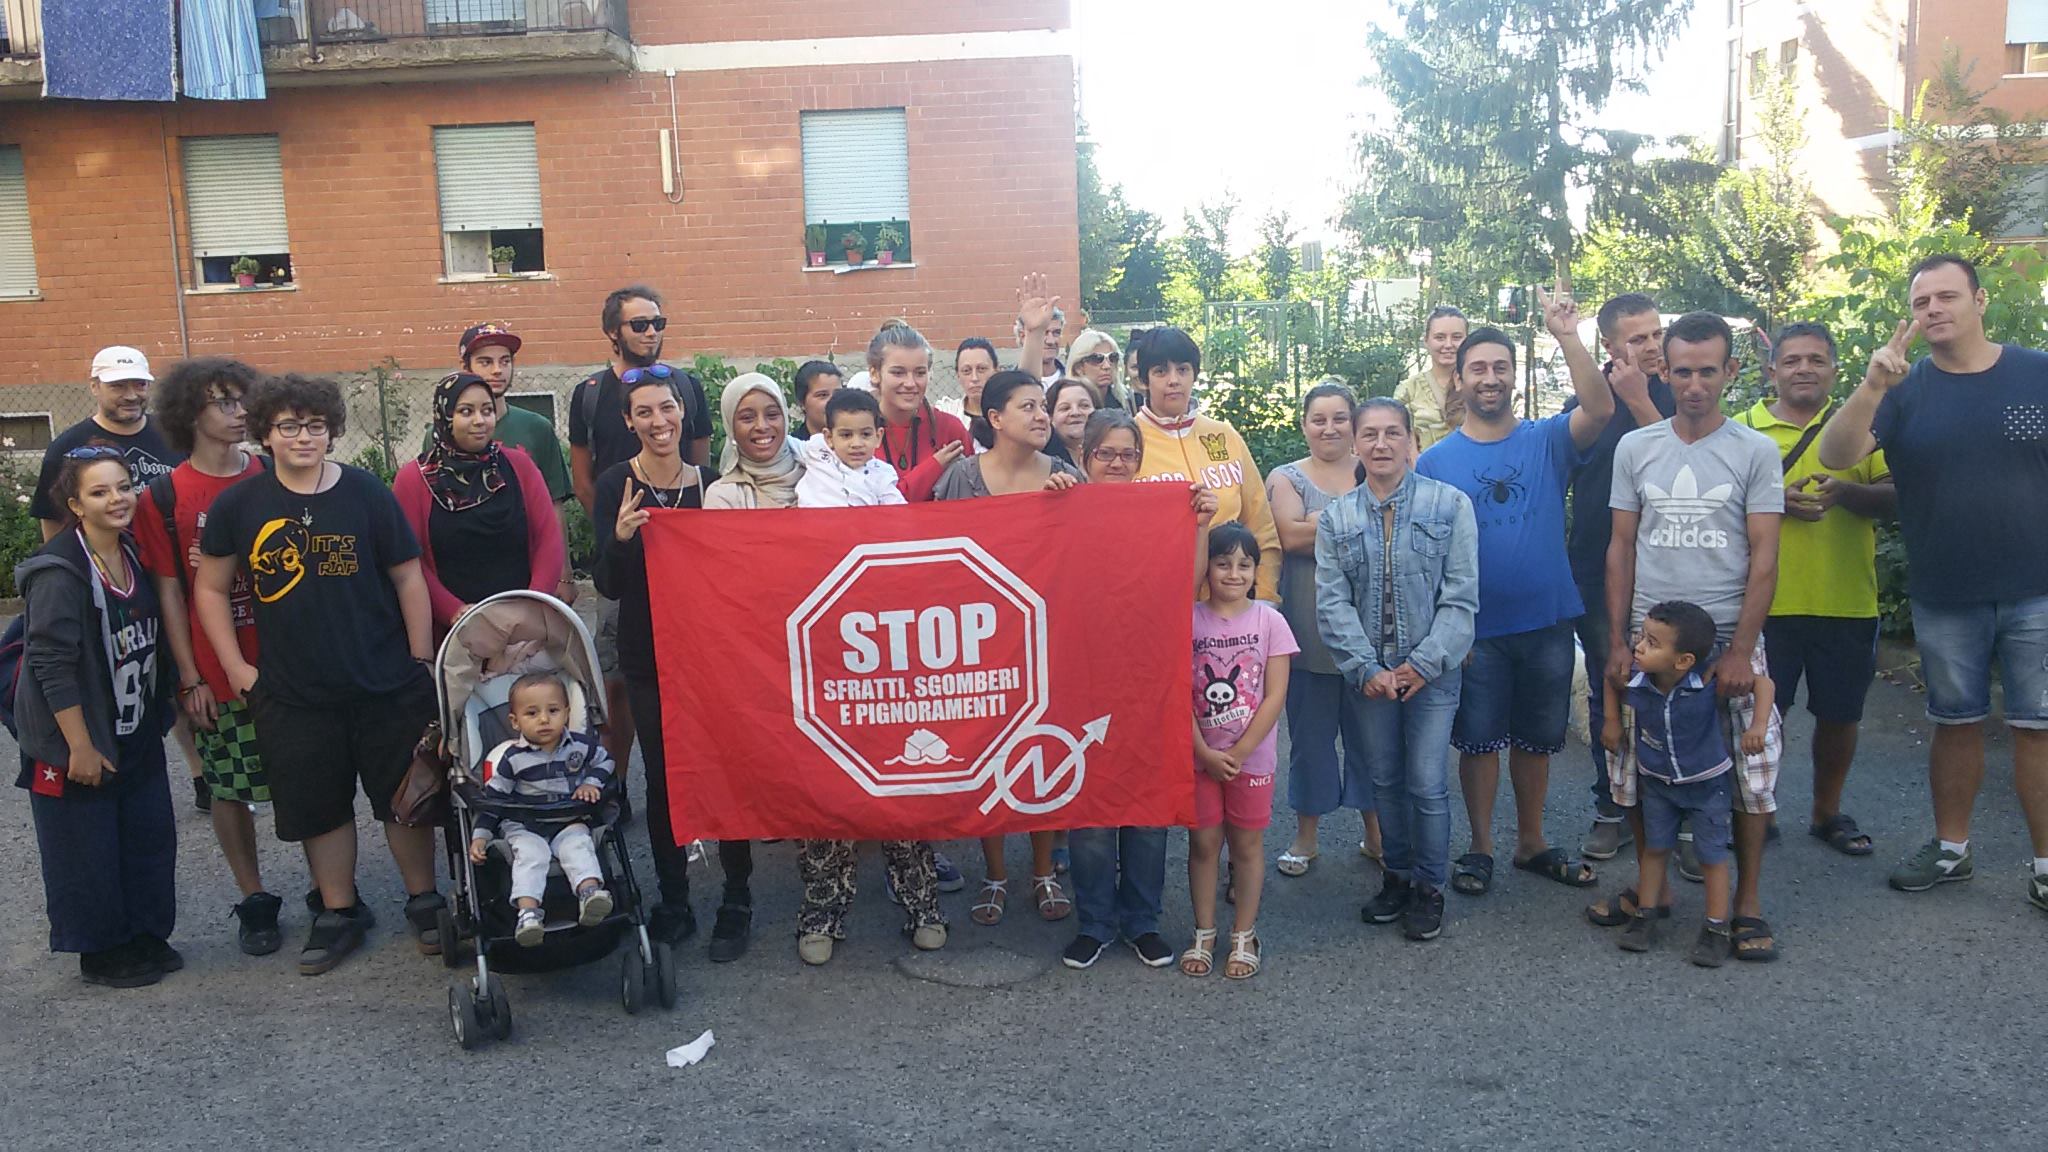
(245, 269)
(501, 259)
(888, 238)
(815, 238)
(855, 245)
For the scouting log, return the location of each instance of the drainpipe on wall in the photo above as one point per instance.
(171, 218)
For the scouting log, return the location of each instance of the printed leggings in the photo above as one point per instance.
(827, 869)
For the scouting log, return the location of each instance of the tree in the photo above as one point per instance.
(1205, 245)
(1962, 159)
(1484, 149)
(1276, 257)
(1645, 224)
(1124, 264)
(1759, 230)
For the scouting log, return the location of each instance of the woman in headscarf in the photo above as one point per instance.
(481, 510)
(758, 468)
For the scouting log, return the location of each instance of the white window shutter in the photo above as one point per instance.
(856, 166)
(234, 196)
(17, 247)
(489, 176)
(2026, 21)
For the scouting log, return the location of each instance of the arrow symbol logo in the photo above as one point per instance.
(1043, 781)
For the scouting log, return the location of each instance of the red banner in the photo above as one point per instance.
(927, 672)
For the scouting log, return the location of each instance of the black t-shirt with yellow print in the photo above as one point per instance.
(327, 617)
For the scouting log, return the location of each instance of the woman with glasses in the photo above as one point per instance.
(1322, 711)
(92, 711)
(482, 514)
(1397, 596)
(341, 691)
(919, 441)
(1094, 358)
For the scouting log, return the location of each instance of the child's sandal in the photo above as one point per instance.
(1201, 955)
(1052, 899)
(1244, 956)
(989, 911)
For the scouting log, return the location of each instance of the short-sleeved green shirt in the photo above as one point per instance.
(1826, 567)
(536, 434)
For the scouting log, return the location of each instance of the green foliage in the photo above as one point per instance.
(1961, 158)
(1123, 257)
(889, 238)
(504, 254)
(1277, 256)
(854, 240)
(815, 236)
(1758, 232)
(1263, 413)
(373, 459)
(20, 533)
(580, 537)
(245, 266)
(715, 374)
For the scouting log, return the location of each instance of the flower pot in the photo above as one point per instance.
(247, 280)
(853, 257)
(885, 256)
(817, 259)
(502, 268)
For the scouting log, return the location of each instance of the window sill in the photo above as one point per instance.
(494, 278)
(28, 297)
(238, 290)
(2025, 76)
(870, 266)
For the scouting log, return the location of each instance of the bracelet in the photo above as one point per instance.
(189, 689)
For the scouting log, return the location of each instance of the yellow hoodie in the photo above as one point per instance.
(1211, 453)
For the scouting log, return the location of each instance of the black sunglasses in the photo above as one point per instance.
(643, 323)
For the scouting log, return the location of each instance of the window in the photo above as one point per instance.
(538, 403)
(2026, 59)
(2026, 37)
(25, 431)
(234, 208)
(856, 186)
(489, 177)
(1788, 58)
(17, 247)
(2026, 206)
(1759, 71)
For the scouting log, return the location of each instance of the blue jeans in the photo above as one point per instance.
(1592, 630)
(1320, 708)
(1119, 877)
(1407, 748)
(1958, 643)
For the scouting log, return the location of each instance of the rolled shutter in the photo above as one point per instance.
(489, 176)
(2026, 22)
(234, 196)
(856, 166)
(17, 247)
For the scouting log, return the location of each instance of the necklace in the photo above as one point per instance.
(120, 584)
(665, 495)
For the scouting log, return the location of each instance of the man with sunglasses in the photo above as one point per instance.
(1094, 357)
(120, 392)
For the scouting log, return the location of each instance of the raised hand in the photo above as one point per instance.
(1888, 364)
(1034, 307)
(631, 515)
(1560, 311)
(1627, 380)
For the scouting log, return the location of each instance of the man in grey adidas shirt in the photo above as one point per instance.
(1697, 500)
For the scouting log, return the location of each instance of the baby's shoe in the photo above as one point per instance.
(531, 928)
(593, 906)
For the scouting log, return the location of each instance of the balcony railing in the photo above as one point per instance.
(317, 22)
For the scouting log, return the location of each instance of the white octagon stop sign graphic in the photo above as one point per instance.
(920, 669)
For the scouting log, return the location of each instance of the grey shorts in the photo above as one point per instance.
(608, 638)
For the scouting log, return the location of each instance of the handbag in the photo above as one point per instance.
(422, 795)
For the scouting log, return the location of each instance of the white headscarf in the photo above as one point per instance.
(773, 482)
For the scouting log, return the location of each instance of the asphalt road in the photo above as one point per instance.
(1891, 1021)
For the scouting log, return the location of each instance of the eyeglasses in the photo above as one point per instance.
(1110, 358)
(227, 403)
(290, 429)
(94, 452)
(1115, 456)
(643, 323)
(651, 372)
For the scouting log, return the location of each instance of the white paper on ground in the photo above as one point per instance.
(692, 1052)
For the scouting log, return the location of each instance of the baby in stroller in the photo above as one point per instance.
(546, 762)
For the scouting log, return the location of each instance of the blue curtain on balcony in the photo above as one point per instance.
(108, 50)
(222, 58)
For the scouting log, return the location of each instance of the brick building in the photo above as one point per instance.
(684, 143)
(1857, 65)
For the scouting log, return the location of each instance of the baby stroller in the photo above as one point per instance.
(494, 643)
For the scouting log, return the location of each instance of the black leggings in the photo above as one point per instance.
(672, 860)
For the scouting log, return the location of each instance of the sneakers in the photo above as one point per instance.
(258, 914)
(202, 794)
(1387, 907)
(592, 907)
(950, 879)
(122, 967)
(1640, 934)
(1606, 840)
(531, 928)
(1083, 952)
(1153, 950)
(2037, 891)
(1932, 865)
(334, 936)
(423, 915)
(814, 948)
(158, 951)
(1424, 917)
(672, 923)
(1712, 949)
(929, 937)
(731, 932)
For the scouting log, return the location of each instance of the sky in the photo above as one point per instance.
(1263, 100)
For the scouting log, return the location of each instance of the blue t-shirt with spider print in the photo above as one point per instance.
(1517, 486)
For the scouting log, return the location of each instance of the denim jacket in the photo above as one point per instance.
(1436, 579)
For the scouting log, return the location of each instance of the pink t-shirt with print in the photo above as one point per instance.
(1230, 676)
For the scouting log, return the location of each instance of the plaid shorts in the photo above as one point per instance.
(227, 756)
(1756, 777)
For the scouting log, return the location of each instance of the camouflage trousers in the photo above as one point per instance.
(827, 869)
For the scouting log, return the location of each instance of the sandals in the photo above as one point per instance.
(1292, 863)
(1616, 910)
(1556, 864)
(988, 912)
(1842, 835)
(1472, 874)
(1052, 899)
(1747, 929)
(1244, 953)
(1201, 955)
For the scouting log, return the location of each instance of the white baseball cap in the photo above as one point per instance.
(120, 362)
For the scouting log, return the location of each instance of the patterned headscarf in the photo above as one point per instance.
(459, 480)
(773, 482)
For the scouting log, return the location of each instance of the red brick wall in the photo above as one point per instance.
(991, 149)
(1975, 29)
(701, 21)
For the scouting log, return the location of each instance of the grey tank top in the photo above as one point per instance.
(1298, 581)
